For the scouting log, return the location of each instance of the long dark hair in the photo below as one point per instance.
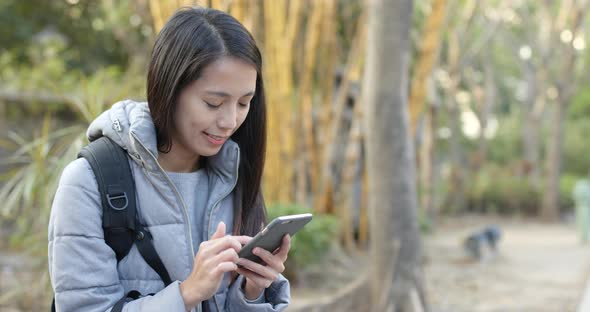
(192, 39)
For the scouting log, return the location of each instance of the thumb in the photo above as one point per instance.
(220, 232)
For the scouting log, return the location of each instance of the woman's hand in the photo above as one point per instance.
(259, 277)
(215, 257)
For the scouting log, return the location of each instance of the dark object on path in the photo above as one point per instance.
(483, 243)
(492, 234)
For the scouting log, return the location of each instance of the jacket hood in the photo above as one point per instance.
(123, 118)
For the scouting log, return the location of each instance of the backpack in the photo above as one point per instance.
(120, 221)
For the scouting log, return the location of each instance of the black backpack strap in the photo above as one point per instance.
(134, 294)
(110, 165)
(149, 254)
(121, 227)
(117, 187)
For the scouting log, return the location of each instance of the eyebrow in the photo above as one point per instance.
(225, 94)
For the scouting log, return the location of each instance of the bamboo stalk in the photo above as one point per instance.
(161, 11)
(293, 24)
(156, 12)
(284, 102)
(292, 141)
(221, 5)
(273, 152)
(326, 73)
(426, 60)
(326, 77)
(352, 72)
(279, 58)
(240, 10)
(306, 91)
(301, 177)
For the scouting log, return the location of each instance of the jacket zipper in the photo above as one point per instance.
(237, 166)
(224, 195)
(177, 196)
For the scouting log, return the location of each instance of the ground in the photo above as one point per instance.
(539, 267)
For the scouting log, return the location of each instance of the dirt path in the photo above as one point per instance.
(540, 267)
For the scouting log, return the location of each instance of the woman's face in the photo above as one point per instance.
(213, 107)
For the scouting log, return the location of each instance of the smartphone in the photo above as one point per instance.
(271, 237)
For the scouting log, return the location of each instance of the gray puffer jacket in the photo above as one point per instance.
(84, 271)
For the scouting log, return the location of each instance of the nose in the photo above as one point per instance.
(228, 117)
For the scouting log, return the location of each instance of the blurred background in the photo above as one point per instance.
(496, 106)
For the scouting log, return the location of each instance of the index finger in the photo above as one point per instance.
(220, 244)
(243, 239)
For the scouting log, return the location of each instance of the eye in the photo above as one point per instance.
(244, 104)
(212, 106)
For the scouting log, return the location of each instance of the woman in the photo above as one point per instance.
(197, 154)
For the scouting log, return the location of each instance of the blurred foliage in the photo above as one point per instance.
(52, 98)
(38, 158)
(35, 166)
(90, 29)
(494, 189)
(508, 141)
(566, 188)
(45, 70)
(580, 106)
(312, 242)
(576, 154)
(501, 187)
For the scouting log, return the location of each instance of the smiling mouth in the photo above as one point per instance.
(215, 139)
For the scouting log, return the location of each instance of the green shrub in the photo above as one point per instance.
(576, 153)
(497, 190)
(506, 146)
(566, 188)
(312, 242)
(580, 105)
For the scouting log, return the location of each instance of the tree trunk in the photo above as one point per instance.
(485, 112)
(550, 208)
(530, 127)
(427, 159)
(457, 193)
(566, 88)
(395, 238)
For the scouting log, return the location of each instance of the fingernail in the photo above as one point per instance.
(256, 250)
